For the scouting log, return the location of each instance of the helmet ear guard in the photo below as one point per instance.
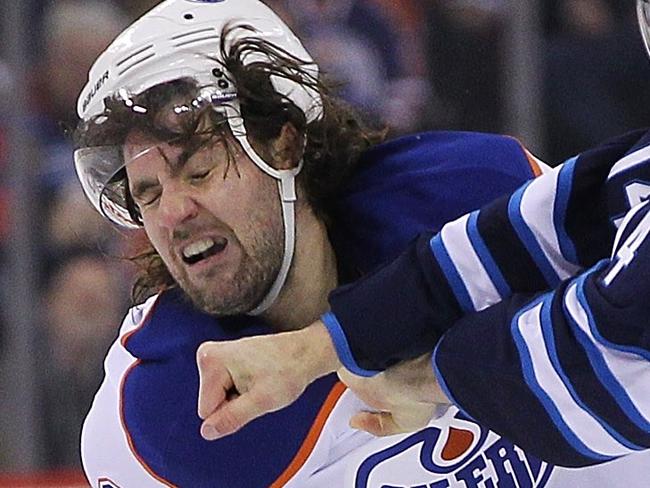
(182, 40)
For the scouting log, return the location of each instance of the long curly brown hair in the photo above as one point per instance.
(334, 143)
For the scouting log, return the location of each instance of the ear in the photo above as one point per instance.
(287, 149)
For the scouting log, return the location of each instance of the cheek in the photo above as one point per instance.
(264, 211)
(156, 238)
(249, 200)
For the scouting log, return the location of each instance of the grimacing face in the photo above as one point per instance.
(212, 215)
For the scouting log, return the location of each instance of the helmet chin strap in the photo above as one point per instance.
(286, 180)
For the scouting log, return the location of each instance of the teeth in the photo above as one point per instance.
(197, 248)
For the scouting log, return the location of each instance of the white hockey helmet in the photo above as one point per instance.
(180, 40)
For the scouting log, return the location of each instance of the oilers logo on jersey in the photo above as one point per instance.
(460, 454)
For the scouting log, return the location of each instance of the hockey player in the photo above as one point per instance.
(260, 193)
(559, 364)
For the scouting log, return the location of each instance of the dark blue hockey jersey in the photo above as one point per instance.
(539, 335)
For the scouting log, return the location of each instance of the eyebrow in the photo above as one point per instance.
(184, 157)
(142, 186)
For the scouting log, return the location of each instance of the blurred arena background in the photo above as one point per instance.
(560, 75)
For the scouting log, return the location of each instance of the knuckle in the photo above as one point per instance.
(266, 400)
(203, 352)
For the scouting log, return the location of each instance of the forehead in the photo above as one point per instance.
(143, 151)
(138, 142)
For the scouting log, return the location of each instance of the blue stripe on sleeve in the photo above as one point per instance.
(528, 238)
(443, 384)
(592, 323)
(449, 269)
(598, 363)
(547, 330)
(485, 256)
(342, 347)
(564, 187)
(538, 391)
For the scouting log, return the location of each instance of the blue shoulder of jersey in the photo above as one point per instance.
(418, 183)
(159, 406)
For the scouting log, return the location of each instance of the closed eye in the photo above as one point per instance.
(150, 201)
(145, 192)
(148, 197)
(200, 175)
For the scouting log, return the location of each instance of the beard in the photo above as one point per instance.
(242, 291)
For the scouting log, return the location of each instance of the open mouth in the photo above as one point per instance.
(203, 249)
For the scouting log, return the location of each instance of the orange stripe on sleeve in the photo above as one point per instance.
(534, 163)
(312, 436)
(532, 160)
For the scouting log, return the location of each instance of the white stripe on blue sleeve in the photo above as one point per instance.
(537, 209)
(629, 161)
(486, 257)
(626, 375)
(448, 267)
(563, 193)
(469, 267)
(580, 429)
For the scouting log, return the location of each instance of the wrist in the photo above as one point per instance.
(318, 351)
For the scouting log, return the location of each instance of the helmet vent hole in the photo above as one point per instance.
(188, 16)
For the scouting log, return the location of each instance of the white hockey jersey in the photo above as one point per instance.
(124, 443)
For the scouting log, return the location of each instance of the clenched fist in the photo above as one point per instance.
(244, 379)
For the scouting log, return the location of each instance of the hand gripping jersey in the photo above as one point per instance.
(143, 430)
(567, 332)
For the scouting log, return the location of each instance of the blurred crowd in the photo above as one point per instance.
(413, 64)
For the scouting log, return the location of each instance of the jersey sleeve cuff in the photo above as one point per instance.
(343, 348)
(443, 384)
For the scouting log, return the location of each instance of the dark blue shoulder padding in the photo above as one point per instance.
(160, 404)
(627, 188)
(588, 209)
(419, 183)
(620, 304)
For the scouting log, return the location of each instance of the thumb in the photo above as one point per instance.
(235, 413)
(379, 424)
(215, 381)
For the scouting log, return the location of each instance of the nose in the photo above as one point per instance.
(176, 207)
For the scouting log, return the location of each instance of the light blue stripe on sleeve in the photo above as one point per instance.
(528, 238)
(564, 187)
(609, 381)
(342, 347)
(549, 339)
(449, 269)
(538, 391)
(485, 256)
